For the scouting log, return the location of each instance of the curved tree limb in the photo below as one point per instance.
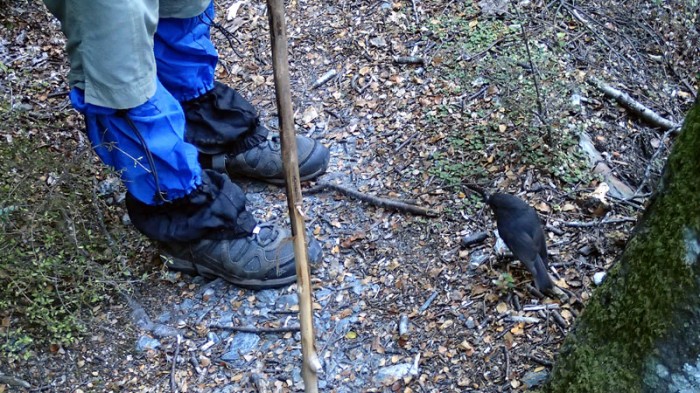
(373, 200)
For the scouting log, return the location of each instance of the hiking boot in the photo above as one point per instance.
(264, 161)
(262, 260)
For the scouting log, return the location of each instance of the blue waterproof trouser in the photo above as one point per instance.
(143, 141)
(131, 71)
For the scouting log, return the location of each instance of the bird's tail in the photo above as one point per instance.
(543, 281)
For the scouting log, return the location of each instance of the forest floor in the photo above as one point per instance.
(426, 95)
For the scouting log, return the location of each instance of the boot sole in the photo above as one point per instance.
(187, 267)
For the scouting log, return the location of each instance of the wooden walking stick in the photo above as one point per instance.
(280, 65)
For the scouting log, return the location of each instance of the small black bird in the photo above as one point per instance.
(521, 230)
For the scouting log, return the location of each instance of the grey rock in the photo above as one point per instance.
(213, 337)
(241, 344)
(140, 317)
(387, 375)
(662, 371)
(160, 330)
(199, 280)
(145, 343)
(598, 278)
(470, 324)
(358, 288)
(286, 301)
(107, 186)
(208, 294)
(476, 259)
(164, 317)
(225, 318)
(186, 305)
(267, 296)
(296, 376)
(532, 379)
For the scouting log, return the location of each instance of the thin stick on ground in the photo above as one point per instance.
(173, 383)
(635, 106)
(541, 114)
(311, 363)
(373, 200)
(589, 224)
(257, 330)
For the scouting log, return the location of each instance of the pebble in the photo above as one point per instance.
(532, 379)
(268, 296)
(241, 344)
(208, 294)
(598, 278)
(470, 324)
(161, 331)
(287, 301)
(388, 375)
(476, 259)
(145, 343)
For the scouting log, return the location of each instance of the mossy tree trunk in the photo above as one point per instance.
(641, 330)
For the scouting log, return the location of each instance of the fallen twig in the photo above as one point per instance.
(58, 94)
(359, 89)
(534, 292)
(617, 187)
(404, 143)
(409, 60)
(256, 330)
(324, 78)
(12, 381)
(579, 224)
(474, 238)
(559, 319)
(555, 230)
(373, 200)
(538, 360)
(635, 106)
(429, 301)
(507, 361)
(173, 383)
(540, 307)
(415, 11)
(519, 319)
(541, 110)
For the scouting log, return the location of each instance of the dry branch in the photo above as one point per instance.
(324, 78)
(635, 106)
(579, 224)
(373, 200)
(256, 330)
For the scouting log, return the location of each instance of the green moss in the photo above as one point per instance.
(634, 309)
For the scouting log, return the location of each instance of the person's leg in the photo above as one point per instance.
(199, 217)
(220, 122)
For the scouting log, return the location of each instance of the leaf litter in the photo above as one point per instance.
(400, 305)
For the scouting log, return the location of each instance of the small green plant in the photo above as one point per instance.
(57, 260)
(505, 282)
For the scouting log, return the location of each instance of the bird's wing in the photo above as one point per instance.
(521, 245)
